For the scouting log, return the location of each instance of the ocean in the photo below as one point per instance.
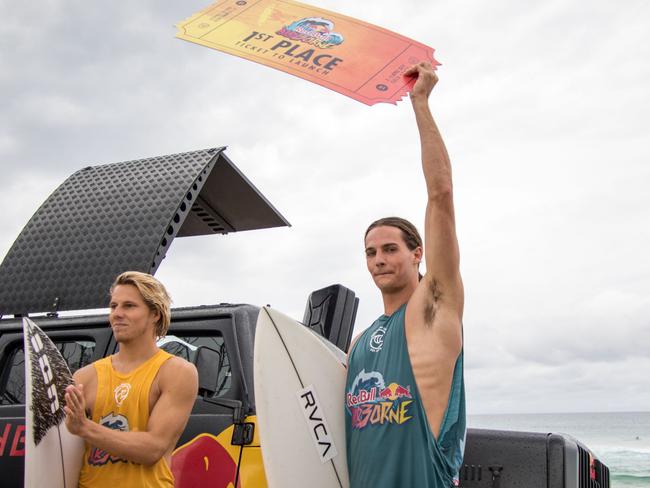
(620, 440)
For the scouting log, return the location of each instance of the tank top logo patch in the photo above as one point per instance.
(371, 402)
(99, 457)
(121, 392)
(377, 339)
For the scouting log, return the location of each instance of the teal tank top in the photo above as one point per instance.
(389, 441)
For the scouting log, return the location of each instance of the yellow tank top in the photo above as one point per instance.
(122, 403)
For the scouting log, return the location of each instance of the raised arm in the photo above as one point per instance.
(178, 382)
(438, 301)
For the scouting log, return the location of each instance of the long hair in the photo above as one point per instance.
(153, 293)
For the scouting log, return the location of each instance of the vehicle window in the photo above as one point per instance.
(76, 353)
(185, 346)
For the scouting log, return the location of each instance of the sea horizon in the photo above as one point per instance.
(559, 413)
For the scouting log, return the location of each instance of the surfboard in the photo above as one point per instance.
(299, 397)
(53, 456)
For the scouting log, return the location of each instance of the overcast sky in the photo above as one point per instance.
(544, 110)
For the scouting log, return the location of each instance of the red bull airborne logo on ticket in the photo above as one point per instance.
(371, 401)
(316, 31)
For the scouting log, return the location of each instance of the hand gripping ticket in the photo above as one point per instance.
(349, 56)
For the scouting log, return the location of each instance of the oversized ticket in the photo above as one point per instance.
(347, 55)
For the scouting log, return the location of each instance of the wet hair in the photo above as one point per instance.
(410, 233)
(153, 293)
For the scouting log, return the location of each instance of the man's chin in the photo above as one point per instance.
(382, 280)
(387, 286)
(121, 337)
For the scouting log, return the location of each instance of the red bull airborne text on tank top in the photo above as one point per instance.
(389, 441)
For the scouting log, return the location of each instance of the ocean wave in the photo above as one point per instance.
(629, 470)
(622, 450)
(629, 481)
(626, 464)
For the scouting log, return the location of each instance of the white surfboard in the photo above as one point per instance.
(53, 456)
(299, 396)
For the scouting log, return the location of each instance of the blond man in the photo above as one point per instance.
(132, 406)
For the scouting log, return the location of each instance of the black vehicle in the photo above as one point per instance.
(107, 219)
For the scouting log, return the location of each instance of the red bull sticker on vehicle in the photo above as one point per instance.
(212, 461)
(371, 401)
(204, 461)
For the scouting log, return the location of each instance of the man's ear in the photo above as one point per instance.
(417, 253)
(156, 316)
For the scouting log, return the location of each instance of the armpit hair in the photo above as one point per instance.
(433, 299)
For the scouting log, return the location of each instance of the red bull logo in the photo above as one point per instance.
(371, 402)
(362, 396)
(395, 391)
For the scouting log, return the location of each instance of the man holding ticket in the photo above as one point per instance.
(405, 395)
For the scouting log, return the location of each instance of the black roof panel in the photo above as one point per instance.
(107, 219)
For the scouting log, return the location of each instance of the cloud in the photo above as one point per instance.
(574, 387)
(55, 110)
(8, 144)
(610, 326)
(543, 109)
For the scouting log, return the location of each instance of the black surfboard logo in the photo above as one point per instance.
(50, 377)
(318, 427)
